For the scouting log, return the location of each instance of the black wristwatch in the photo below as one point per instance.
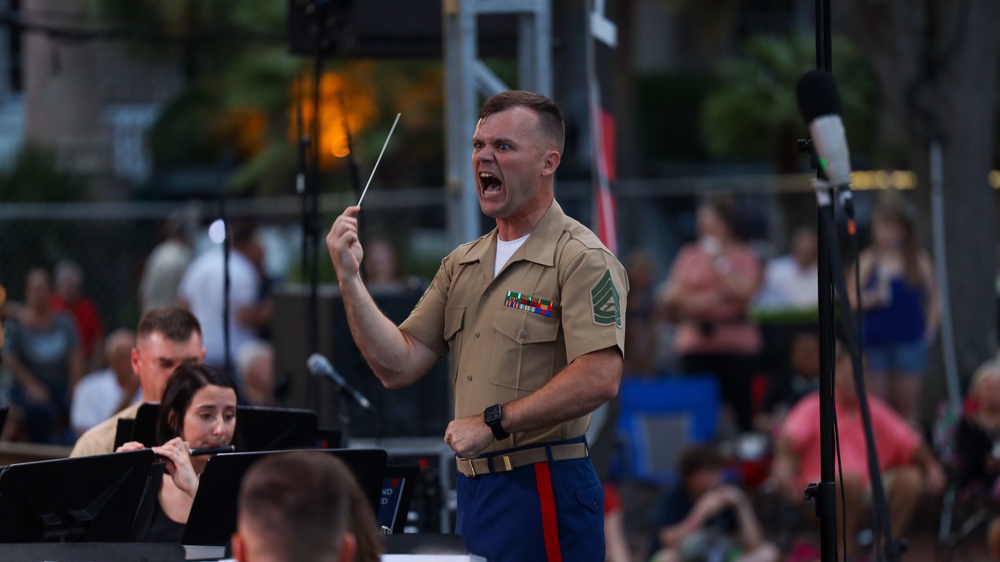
(493, 416)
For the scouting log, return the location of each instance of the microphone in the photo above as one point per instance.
(819, 104)
(320, 366)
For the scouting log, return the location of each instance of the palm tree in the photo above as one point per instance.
(753, 112)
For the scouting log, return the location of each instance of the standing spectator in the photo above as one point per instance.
(165, 267)
(792, 281)
(382, 267)
(908, 467)
(202, 291)
(705, 519)
(255, 365)
(707, 295)
(901, 309)
(44, 358)
(102, 393)
(641, 336)
(69, 297)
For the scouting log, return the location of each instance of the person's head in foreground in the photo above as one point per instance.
(296, 507)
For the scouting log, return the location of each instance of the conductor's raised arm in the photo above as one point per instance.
(395, 357)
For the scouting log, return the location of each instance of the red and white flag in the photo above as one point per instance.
(600, 49)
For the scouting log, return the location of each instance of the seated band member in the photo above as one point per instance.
(297, 507)
(166, 337)
(198, 411)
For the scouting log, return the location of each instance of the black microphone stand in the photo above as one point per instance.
(307, 181)
(308, 186)
(824, 493)
(831, 280)
(226, 249)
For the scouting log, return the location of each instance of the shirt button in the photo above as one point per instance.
(522, 335)
(477, 334)
(469, 377)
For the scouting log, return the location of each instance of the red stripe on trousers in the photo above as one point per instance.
(550, 525)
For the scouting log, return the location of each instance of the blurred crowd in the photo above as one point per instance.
(748, 321)
(724, 312)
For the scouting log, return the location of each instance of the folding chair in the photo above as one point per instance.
(660, 417)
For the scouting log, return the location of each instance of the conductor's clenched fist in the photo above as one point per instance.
(344, 245)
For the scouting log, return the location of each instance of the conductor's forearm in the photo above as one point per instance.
(389, 352)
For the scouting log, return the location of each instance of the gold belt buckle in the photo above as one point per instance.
(472, 466)
(506, 463)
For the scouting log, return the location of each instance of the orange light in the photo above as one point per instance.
(346, 105)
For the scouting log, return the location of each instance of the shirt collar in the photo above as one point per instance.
(540, 247)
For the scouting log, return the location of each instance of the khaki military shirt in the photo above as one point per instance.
(100, 439)
(561, 295)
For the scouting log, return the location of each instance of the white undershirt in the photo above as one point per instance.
(505, 250)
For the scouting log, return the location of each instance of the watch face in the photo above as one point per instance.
(492, 414)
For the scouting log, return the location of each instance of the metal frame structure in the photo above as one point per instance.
(467, 77)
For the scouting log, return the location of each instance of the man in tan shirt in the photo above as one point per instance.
(166, 338)
(532, 316)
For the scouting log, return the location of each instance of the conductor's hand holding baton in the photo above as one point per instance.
(345, 245)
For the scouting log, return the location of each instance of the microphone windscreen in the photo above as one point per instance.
(817, 95)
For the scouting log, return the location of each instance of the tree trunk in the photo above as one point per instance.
(937, 64)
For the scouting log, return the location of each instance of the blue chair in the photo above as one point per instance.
(659, 418)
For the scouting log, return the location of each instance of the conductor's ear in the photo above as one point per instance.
(348, 547)
(239, 549)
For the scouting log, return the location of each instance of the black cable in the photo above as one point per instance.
(850, 339)
(836, 423)
(843, 495)
(852, 233)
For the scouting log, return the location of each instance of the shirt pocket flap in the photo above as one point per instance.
(454, 317)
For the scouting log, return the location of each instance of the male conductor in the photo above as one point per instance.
(533, 317)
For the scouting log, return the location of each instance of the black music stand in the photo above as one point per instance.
(141, 429)
(87, 499)
(397, 494)
(257, 428)
(275, 429)
(213, 514)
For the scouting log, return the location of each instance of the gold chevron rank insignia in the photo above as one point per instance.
(607, 302)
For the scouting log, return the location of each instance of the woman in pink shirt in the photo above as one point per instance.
(707, 295)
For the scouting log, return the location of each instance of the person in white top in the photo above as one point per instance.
(791, 281)
(165, 266)
(202, 288)
(102, 393)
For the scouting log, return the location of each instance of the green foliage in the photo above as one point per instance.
(36, 176)
(753, 111)
(182, 134)
(669, 129)
(241, 97)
